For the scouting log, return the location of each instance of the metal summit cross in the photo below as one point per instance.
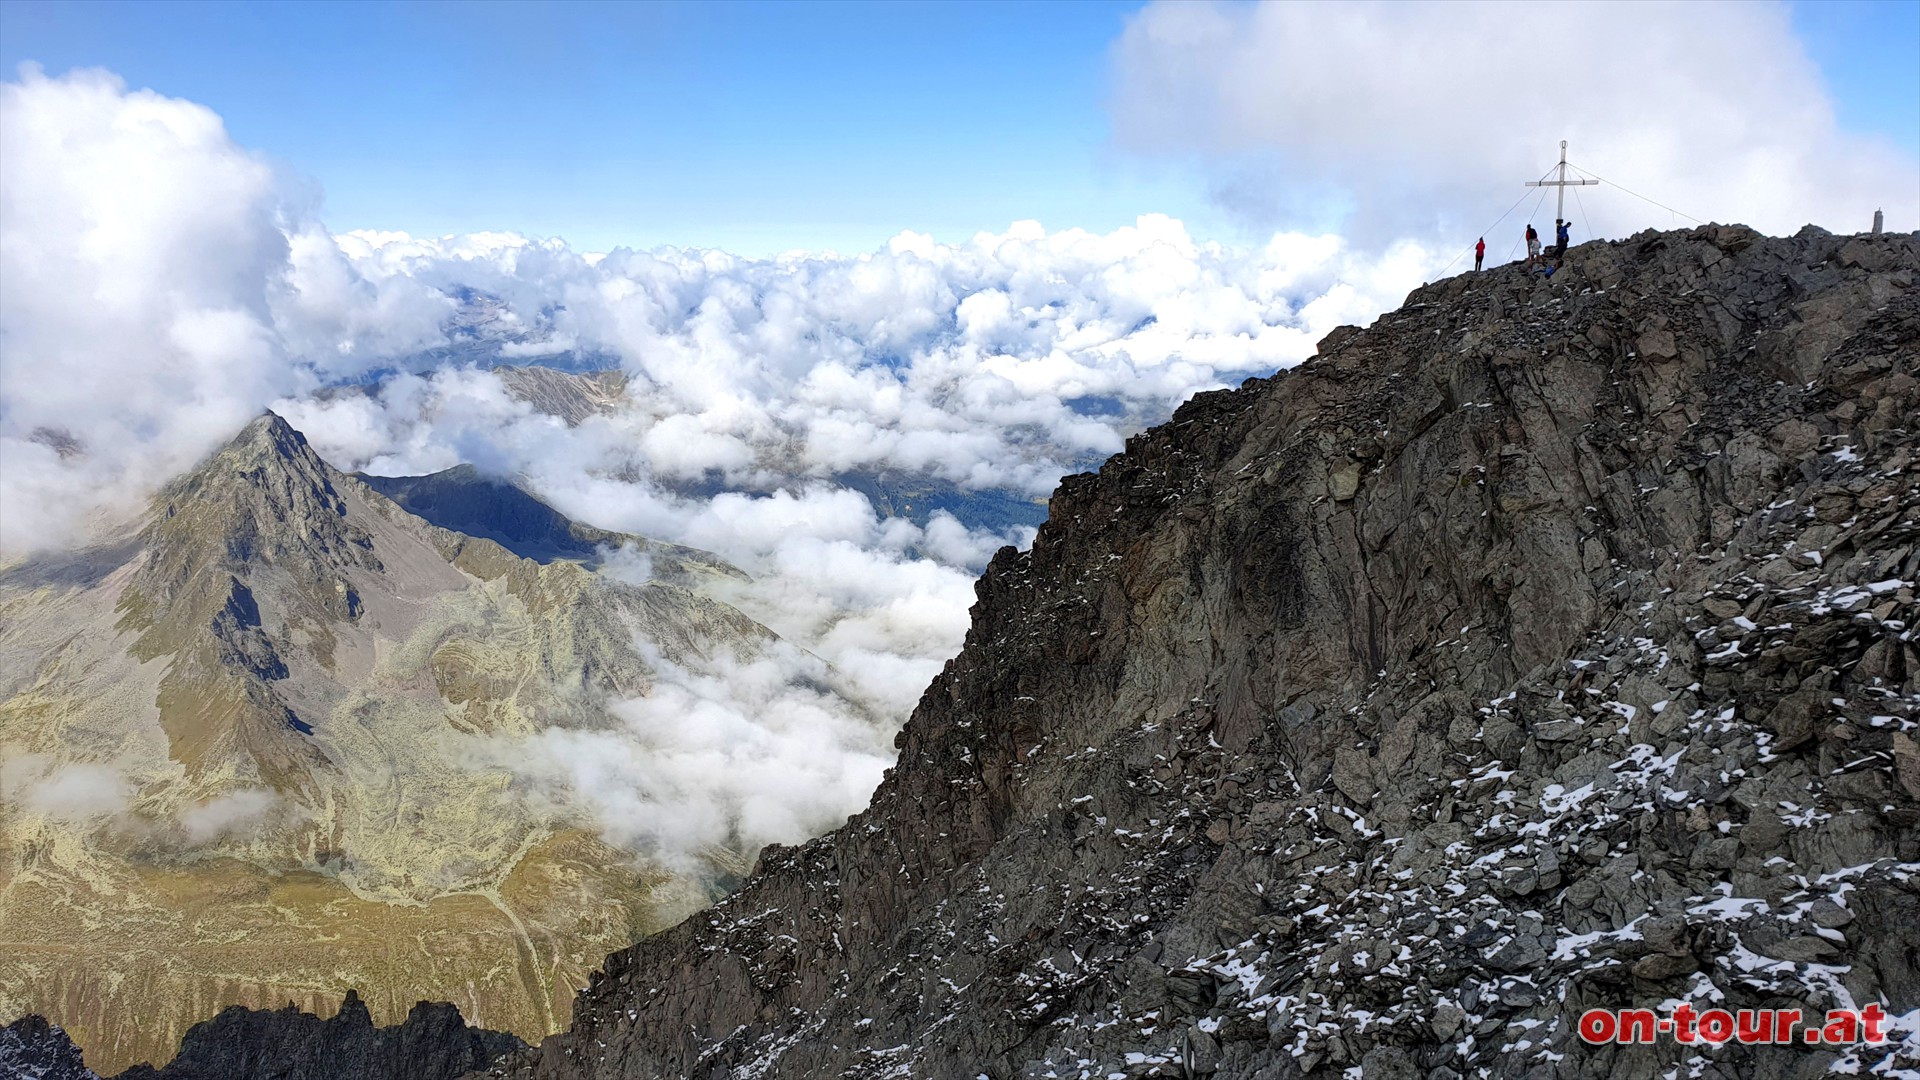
(1560, 207)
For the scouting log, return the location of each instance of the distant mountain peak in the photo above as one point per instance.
(266, 498)
(270, 431)
(287, 670)
(254, 543)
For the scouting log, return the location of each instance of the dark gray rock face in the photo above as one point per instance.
(1546, 645)
(32, 1049)
(433, 1043)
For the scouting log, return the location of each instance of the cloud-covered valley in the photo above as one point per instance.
(857, 432)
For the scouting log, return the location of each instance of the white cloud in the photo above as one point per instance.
(75, 792)
(1003, 361)
(747, 753)
(626, 564)
(162, 288)
(1412, 119)
(159, 289)
(882, 601)
(1000, 362)
(95, 793)
(235, 813)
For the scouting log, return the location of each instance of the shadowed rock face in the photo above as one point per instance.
(287, 1044)
(1546, 645)
(465, 501)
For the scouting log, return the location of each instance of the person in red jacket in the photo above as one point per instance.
(1479, 253)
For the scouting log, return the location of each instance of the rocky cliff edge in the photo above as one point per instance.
(1546, 645)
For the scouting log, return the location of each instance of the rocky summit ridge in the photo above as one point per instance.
(1547, 645)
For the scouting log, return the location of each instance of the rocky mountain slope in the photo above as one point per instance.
(253, 749)
(571, 396)
(1547, 645)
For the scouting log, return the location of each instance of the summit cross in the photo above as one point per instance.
(1560, 207)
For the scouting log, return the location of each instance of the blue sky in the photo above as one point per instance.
(747, 127)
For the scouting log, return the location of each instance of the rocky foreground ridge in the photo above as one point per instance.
(1548, 644)
(432, 1043)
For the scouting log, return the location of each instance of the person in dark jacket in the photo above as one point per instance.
(1560, 231)
(1479, 253)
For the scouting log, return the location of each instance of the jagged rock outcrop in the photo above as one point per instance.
(432, 1043)
(32, 1049)
(1547, 644)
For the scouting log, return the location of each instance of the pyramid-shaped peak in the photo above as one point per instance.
(269, 422)
(266, 493)
(270, 433)
(268, 446)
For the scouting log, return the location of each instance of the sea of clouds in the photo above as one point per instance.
(163, 284)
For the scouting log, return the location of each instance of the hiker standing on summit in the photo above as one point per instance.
(1479, 254)
(1533, 247)
(1561, 229)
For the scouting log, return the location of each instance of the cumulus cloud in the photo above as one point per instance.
(759, 392)
(159, 288)
(885, 619)
(1389, 120)
(996, 364)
